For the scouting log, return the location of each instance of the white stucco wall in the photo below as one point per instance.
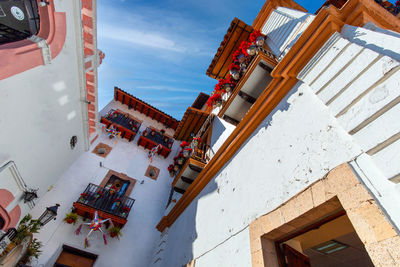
(305, 137)
(136, 245)
(295, 146)
(42, 109)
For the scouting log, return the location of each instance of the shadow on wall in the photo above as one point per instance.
(183, 233)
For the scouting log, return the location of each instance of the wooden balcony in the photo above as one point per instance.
(250, 86)
(190, 170)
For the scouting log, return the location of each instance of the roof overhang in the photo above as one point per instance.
(237, 32)
(145, 108)
(191, 122)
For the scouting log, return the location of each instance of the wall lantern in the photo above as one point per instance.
(49, 214)
(30, 195)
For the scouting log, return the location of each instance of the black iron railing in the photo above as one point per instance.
(19, 19)
(158, 137)
(6, 238)
(106, 200)
(123, 120)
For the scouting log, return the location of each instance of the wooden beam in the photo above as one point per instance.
(130, 103)
(186, 180)
(123, 99)
(265, 67)
(247, 97)
(230, 120)
(177, 189)
(116, 95)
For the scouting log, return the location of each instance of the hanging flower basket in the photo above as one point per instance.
(71, 218)
(196, 141)
(83, 197)
(115, 232)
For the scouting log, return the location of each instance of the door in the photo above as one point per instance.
(75, 258)
(294, 258)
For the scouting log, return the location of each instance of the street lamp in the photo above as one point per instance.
(30, 195)
(49, 214)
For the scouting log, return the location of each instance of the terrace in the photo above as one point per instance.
(151, 138)
(123, 123)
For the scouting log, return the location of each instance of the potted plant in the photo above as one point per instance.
(71, 218)
(196, 141)
(115, 232)
(153, 133)
(83, 197)
(125, 211)
(186, 152)
(171, 170)
(145, 133)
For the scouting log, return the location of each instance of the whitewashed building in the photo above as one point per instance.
(292, 161)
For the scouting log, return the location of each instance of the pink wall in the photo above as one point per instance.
(23, 55)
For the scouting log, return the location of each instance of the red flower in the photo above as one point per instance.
(243, 47)
(170, 167)
(254, 35)
(84, 195)
(184, 143)
(126, 209)
(233, 66)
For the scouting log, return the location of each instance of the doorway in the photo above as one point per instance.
(72, 257)
(328, 244)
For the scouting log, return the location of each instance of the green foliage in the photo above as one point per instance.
(115, 231)
(26, 227)
(32, 251)
(71, 216)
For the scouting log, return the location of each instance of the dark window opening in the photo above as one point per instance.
(2, 222)
(19, 19)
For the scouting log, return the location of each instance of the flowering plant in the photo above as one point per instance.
(126, 209)
(171, 167)
(254, 35)
(239, 56)
(184, 144)
(84, 195)
(212, 100)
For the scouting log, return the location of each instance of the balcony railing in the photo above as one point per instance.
(106, 200)
(26, 23)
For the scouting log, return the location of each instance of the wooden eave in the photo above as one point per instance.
(145, 108)
(191, 122)
(201, 99)
(243, 80)
(190, 161)
(327, 22)
(237, 32)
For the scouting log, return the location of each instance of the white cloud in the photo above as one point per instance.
(167, 88)
(145, 38)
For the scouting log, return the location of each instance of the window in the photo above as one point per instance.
(2, 222)
(19, 20)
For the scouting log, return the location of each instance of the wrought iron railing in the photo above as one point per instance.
(158, 137)
(6, 238)
(19, 20)
(106, 200)
(123, 120)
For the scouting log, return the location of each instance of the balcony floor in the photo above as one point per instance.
(135, 247)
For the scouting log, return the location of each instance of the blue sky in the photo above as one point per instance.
(160, 50)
